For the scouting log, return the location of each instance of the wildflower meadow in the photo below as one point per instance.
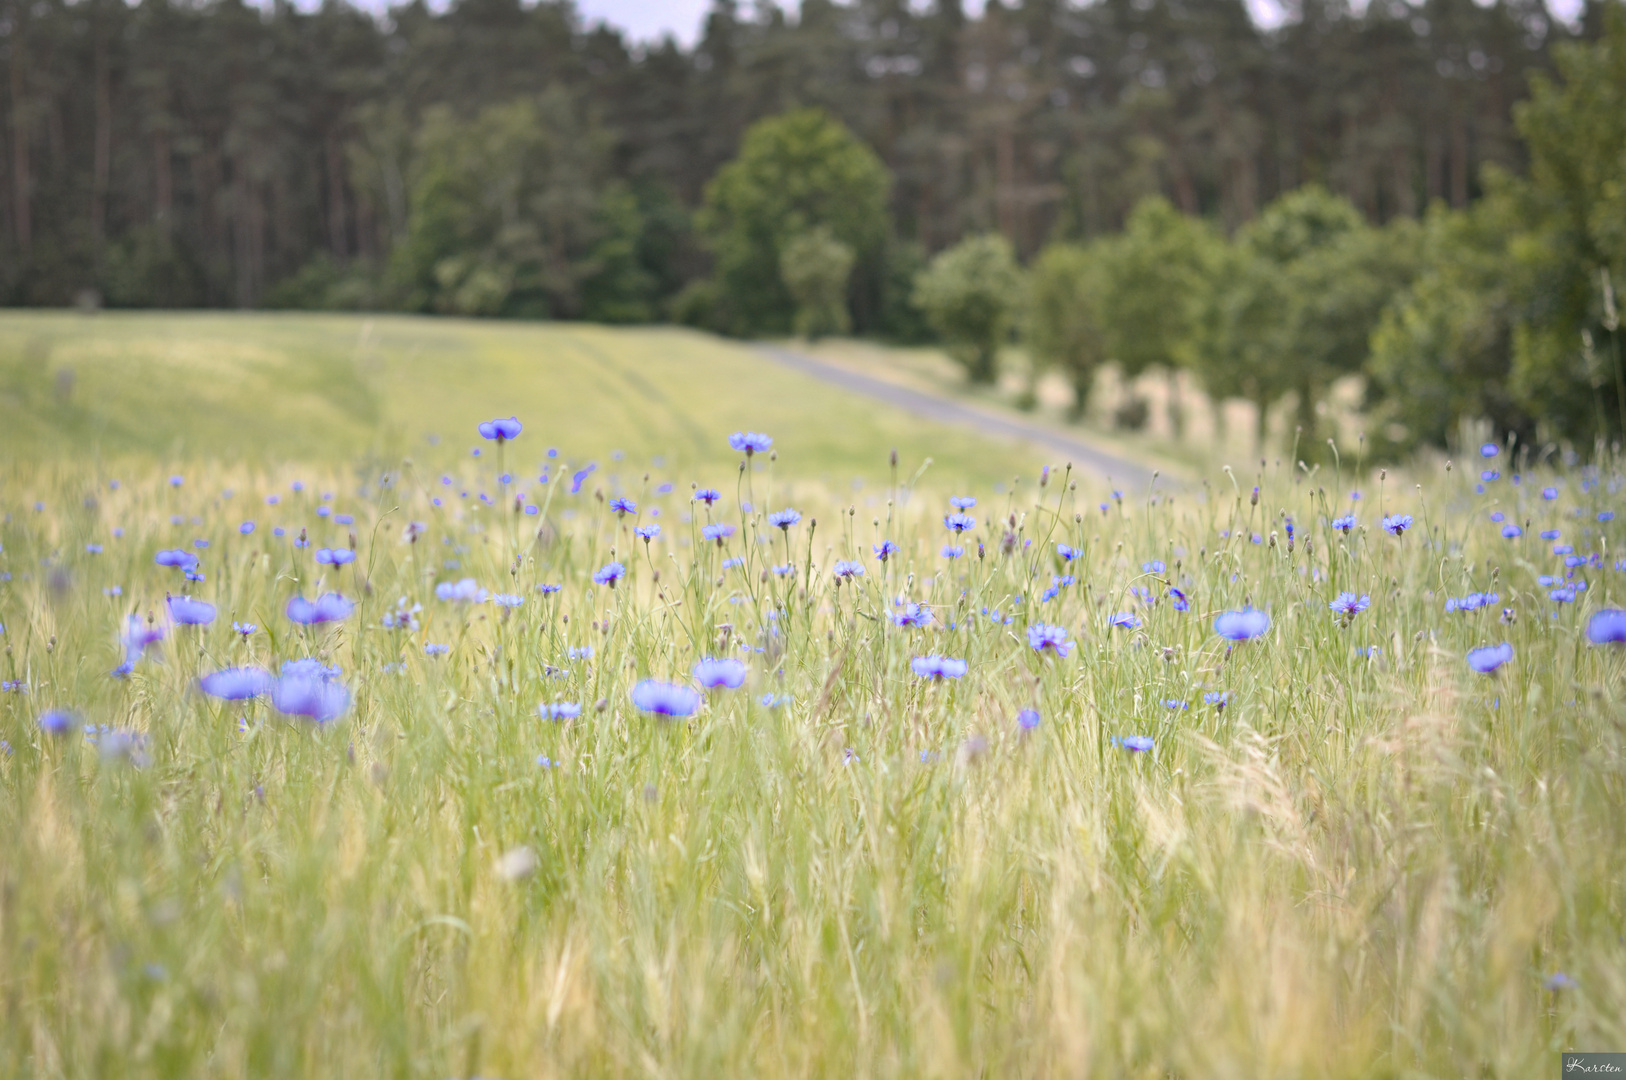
(516, 759)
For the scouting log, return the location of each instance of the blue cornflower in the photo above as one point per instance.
(466, 591)
(1563, 549)
(58, 722)
(847, 568)
(93, 549)
(1125, 620)
(1217, 698)
(963, 502)
(774, 701)
(952, 551)
(959, 523)
(246, 527)
(1550, 534)
(244, 628)
(713, 674)
(1349, 605)
(1054, 638)
(1490, 476)
(435, 649)
(584, 652)
(1027, 719)
(508, 600)
(580, 476)
(335, 556)
(1178, 600)
(665, 699)
(729, 564)
(1498, 517)
(784, 570)
(937, 668)
(177, 480)
(1154, 566)
(912, 614)
(1549, 493)
(1564, 594)
(547, 589)
(501, 430)
(329, 607)
(138, 637)
(1489, 450)
(707, 495)
(785, 518)
(646, 533)
(609, 574)
(189, 612)
(749, 442)
(313, 695)
(1241, 625)
(623, 506)
(1487, 658)
(1175, 704)
(1066, 553)
(559, 710)
(1606, 515)
(1135, 744)
(718, 533)
(1607, 626)
(175, 557)
(1344, 523)
(193, 574)
(1558, 981)
(885, 550)
(1512, 532)
(1395, 524)
(237, 684)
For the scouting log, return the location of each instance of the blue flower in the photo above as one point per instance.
(774, 701)
(1498, 516)
(1054, 638)
(547, 589)
(466, 591)
(1027, 719)
(139, 636)
(1607, 626)
(559, 710)
(1606, 515)
(501, 430)
(246, 527)
(175, 557)
(58, 722)
(785, 518)
(847, 568)
(1558, 981)
(585, 652)
(609, 574)
(885, 550)
(190, 612)
(1125, 620)
(748, 443)
(1349, 605)
(1490, 476)
(1155, 566)
(1175, 704)
(1489, 450)
(335, 556)
(952, 551)
(1487, 658)
(646, 533)
(1512, 532)
(1217, 698)
(963, 502)
(1241, 625)
(1135, 744)
(244, 628)
(623, 506)
(1067, 554)
(713, 674)
(434, 649)
(329, 607)
(237, 684)
(508, 600)
(937, 668)
(718, 533)
(1344, 524)
(318, 697)
(93, 549)
(959, 523)
(1178, 600)
(1549, 493)
(912, 614)
(1395, 524)
(665, 699)
(1550, 534)
(707, 495)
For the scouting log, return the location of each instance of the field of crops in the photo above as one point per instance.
(550, 750)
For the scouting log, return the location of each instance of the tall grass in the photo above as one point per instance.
(1371, 861)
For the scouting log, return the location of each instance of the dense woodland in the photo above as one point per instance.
(506, 159)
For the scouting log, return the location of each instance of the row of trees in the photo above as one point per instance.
(214, 153)
(1503, 311)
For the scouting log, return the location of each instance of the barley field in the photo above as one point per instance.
(683, 732)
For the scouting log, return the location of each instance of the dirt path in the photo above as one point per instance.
(948, 411)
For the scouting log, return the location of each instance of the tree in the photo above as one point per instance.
(816, 267)
(1064, 318)
(795, 173)
(969, 293)
(1158, 277)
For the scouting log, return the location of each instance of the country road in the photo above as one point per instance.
(948, 411)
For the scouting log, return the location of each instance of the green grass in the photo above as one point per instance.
(1367, 864)
(314, 388)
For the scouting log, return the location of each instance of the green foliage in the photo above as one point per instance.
(795, 173)
(146, 268)
(815, 268)
(1064, 325)
(969, 294)
(1158, 278)
(506, 210)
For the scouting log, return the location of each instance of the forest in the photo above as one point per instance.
(1429, 194)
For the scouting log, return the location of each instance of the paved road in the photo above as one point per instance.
(948, 411)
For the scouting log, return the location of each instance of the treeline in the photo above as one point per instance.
(505, 159)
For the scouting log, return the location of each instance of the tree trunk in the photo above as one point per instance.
(21, 181)
(102, 166)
